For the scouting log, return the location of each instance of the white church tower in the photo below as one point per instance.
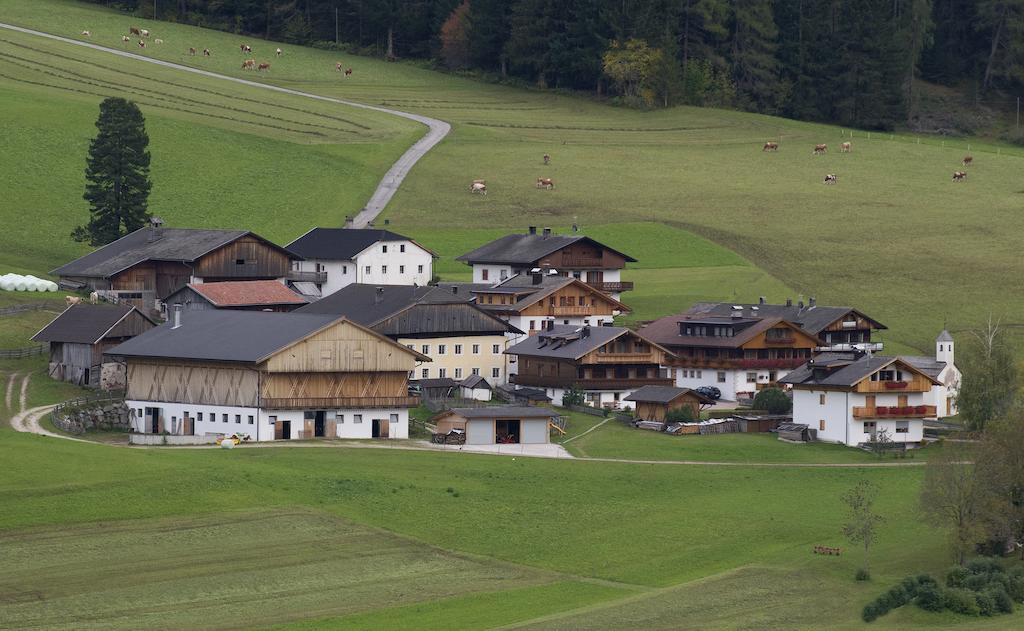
(944, 348)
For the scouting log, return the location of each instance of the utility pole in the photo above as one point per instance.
(335, 25)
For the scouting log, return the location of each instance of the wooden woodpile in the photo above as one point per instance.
(827, 550)
(451, 438)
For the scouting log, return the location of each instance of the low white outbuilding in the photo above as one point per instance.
(498, 425)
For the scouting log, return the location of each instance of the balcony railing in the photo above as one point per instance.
(589, 384)
(895, 412)
(570, 311)
(581, 261)
(333, 403)
(782, 341)
(727, 363)
(308, 277)
(612, 287)
(645, 357)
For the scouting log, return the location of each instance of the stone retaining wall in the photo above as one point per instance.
(109, 416)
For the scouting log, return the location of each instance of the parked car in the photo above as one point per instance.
(710, 392)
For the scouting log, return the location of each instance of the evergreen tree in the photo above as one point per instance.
(117, 174)
(869, 75)
(666, 73)
(755, 68)
(488, 32)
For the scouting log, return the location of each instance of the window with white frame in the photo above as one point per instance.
(721, 376)
(441, 348)
(419, 269)
(442, 373)
(357, 418)
(476, 349)
(496, 349)
(401, 247)
(394, 417)
(425, 373)
(902, 427)
(224, 418)
(367, 270)
(383, 269)
(458, 373)
(458, 349)
(384, 249)
(251, 420)
(344, 269)
(401, 269)
(869, 427)
(341, 418)
(238, 419)
(425, 349)
(496, 373)
(751, 377)
(476, 371)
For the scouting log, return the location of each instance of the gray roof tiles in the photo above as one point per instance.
(504, 412)
(83, 324)
(525, 249)
(811, 319)
(663, 394)
(843, 373)
(567, 341)
(340, 244)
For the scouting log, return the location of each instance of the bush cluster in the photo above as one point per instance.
(982, 587)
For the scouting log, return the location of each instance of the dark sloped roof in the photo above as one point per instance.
(944, 336)
(504, 411)
(665, 331)
(843, 374)
(224, 335)
(475, 381)
(567, 341)
(442, 382)
(408, 310)
(530, 394)
(84, 324)
(524, 249)
(664, 394)
(811, 319)
(341, 244)
(528, 293)
(927, 365)
(173, 244)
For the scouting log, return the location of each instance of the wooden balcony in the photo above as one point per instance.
(894, 412)
(337, 403)
(581, 261)
(623, 358)
(589, 384)
(612, 287)
(308, 277)
(916, 384)
(788, 340)
(570, 311)
(729, 363)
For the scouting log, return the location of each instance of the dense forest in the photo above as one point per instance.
(848, 61)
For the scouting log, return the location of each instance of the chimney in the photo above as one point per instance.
(348, 221)
(575, 228)
(789, 302)
(585, 332)
(387, 222)
(547, 232)
(177, 317)
(378, 297)
(812, 301)
(551, 325)
(533, 229)
(538, 277)
(154, 229)
(762, 300)
(800, 304)
(455, 289)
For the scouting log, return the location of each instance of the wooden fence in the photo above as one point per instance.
(28, 351)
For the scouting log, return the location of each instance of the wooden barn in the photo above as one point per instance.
(148, 265)
(80, 336)
(654, 403)
(498, 425)
(271, 376)
(248, 295)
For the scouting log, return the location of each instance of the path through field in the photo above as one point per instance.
(437, 129)
(9, 398)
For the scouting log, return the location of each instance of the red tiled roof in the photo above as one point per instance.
(245, 293)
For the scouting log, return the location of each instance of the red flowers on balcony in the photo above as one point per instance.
(895, 385)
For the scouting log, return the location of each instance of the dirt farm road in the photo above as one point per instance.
(436, 129)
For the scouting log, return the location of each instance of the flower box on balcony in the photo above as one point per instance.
(921, 409)
(895, 385)
(881, 411)
(894, 410)
(907, 410)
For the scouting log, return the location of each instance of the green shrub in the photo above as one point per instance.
(986, 604)
(773, 400)
(898, 597)
(926, 579)
(862, 575)
(929, 597)
(960, 601)
(1016, 588)
(956, 576)
(983, 565)
(977, 582)
(1000, 599)
(870, 612)
(681, 415)
(910, 585)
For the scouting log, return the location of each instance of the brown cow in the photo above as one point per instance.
(770, 146)
(820, 149)
(245, 48)
(125, 39)
(263, 66)
(206, 52)
(967, 161)
(845, 148)
(142, 44)
(337, 66)
(545, 183)
(547, 159)
(831, 178)
(72, 300)
(192, 51)
(134, 30)
(348, 72)
(959, 176)
(248, 64)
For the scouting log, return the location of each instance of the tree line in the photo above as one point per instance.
(847, 61)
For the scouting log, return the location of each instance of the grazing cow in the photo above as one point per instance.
(820, 149)
(959, 176)
(71, 300)
(845, 147)
(545, 183)
(144, 33)
(125, 39)
(830, 178)
(348, 72)
(246, 48)
(478, 186)
(337, 66)
(263, 66)
(279, 52)
(967, 161)
(134, 30)
(86, 34)
(158, 41)
(94, 298)
(547, 159)
(142, 44)
(770, 146)
(206, 52)
(192, 51)
(248, 64)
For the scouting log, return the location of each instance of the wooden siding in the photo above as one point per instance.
(342, 347)
(162, 277)
(259, 260)
(193, 382)
(567, 302)
(915, 383)
(659, 411)
(131, 325)
(862, 323)
(796, 339)
(440, 320)
(583, 255)
(329, 385)
(627, 349)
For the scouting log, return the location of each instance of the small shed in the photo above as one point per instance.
(475, 387)
(794, 432)
(442, 388)
(524, 396)
(653, 403)
(498, 425)
(761, 423)
(80, 336)
(247, 295)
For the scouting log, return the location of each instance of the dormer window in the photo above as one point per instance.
(887, 375)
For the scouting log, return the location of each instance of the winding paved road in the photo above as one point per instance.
(437, 129)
